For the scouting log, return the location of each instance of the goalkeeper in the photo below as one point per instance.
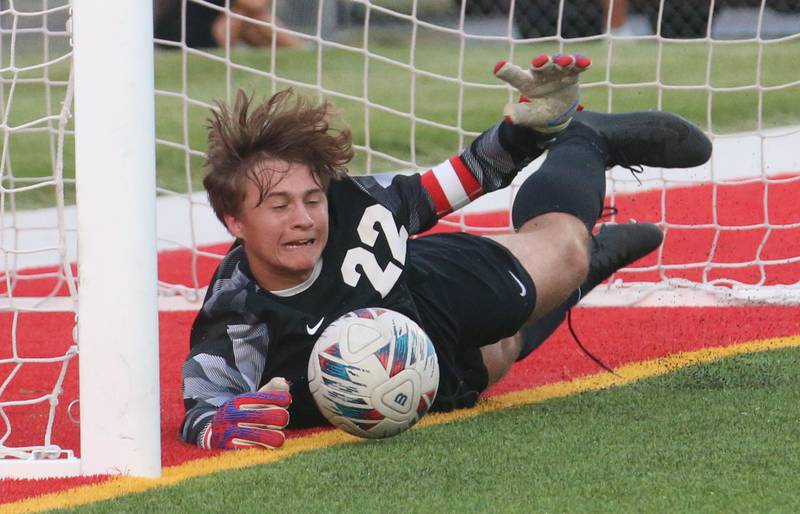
(313, 243)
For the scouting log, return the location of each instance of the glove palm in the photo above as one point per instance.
(549, 89)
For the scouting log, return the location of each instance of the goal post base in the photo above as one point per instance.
(64, 464)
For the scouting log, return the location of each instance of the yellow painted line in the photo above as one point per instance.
(122, 486)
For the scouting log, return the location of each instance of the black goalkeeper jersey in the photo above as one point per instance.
(245, 335)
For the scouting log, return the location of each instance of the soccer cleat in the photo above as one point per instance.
(549, 91)
(613, 248)
(617, 246)
(650, 138)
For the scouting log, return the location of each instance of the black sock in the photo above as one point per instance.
(534, 335)
(572, 179)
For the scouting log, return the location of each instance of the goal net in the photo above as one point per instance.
(413, 79)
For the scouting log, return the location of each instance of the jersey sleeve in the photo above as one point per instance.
(489, 163)
(228, 352)
(227, 359)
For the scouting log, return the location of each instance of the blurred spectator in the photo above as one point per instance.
(687, 19)
(539, 18)
(680, 19)
(580, 18)
(207, 27)
(618, 12)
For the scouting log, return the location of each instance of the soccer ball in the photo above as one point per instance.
(373, 373)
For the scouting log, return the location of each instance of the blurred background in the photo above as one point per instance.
(531, 18)
(581, 18)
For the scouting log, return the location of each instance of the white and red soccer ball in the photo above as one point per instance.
(373, 373)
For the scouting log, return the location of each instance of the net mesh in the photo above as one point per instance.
(37, 239)
(413, 81)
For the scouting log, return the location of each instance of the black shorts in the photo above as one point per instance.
(470, 292)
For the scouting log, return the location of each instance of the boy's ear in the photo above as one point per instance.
(234, 225)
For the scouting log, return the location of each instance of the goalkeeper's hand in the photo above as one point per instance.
(250, 420)
(549, 91)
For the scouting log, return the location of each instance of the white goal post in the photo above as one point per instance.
(115, 195)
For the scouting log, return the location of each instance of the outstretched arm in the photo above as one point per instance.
(226, 405)
(549, 97)
(548, 100)
(225, 408)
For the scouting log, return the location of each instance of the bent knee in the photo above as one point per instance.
(570, 243)
(576, 258)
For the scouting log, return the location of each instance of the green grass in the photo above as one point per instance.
(385, 79)
(721, 437)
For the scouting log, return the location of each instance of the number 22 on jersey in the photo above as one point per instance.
(382, 279)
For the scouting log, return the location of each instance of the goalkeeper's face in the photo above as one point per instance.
(284, 232)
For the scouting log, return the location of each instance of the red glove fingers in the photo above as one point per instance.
(262, 399)
(250, 419)
(240, 438)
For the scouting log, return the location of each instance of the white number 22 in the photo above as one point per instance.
(382, 279)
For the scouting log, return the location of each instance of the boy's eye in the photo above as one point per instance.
(315, 199)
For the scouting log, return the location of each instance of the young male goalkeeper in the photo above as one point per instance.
(313, 243)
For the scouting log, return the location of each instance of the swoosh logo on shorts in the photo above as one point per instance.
(313, 330)
(519, 282)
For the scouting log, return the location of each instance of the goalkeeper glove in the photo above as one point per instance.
(549, 91)
(251, 419)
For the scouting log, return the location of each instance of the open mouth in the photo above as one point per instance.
(300, 243)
